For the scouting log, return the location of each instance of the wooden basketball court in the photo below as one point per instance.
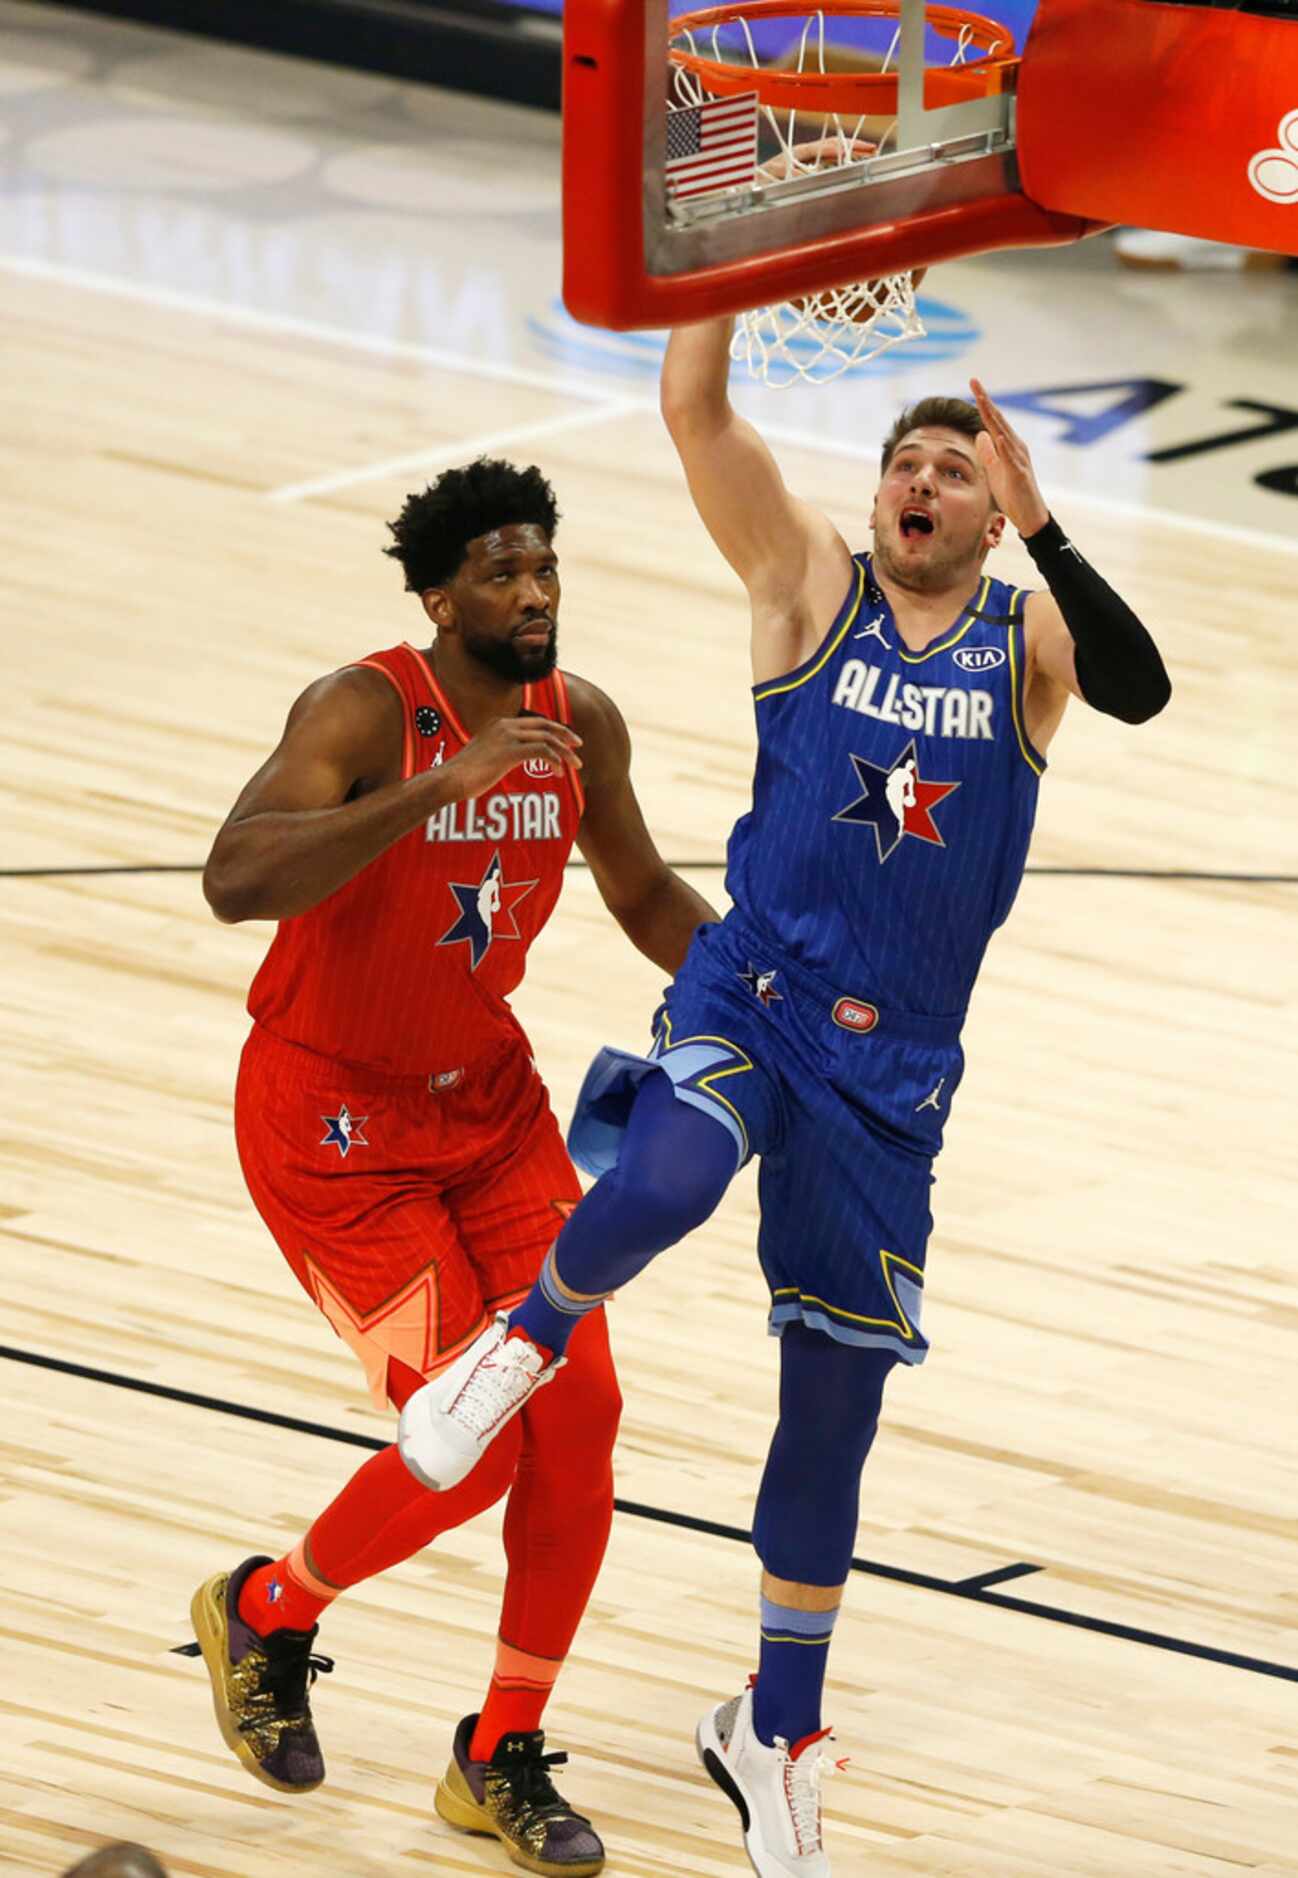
(1071, 1647)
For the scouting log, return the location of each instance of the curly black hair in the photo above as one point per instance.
(434, 529)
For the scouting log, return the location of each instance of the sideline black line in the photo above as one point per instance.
(715, 866)
(983, 1581)
(75, 873)
(192, 1400)
(973, 1589)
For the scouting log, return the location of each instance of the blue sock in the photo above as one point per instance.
(675, 1163)
(546, 1315)
(791, 1672)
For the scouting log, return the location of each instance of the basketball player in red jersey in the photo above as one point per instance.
(410, 834)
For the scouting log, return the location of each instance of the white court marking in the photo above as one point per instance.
(466, 447)
(254, 317)
(261, 321)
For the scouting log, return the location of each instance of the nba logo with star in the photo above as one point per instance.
(486, 911)
(896, 801)
(761, 984)
(343, 1131)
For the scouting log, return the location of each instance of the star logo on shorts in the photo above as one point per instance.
(486, 911)
(896, 801)
(762, 985)
(344, 1131)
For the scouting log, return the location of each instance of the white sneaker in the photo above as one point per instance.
(777, 1792)
(447, 1426)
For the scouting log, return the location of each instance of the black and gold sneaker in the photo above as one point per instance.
(513, 1796)
(259, 1685)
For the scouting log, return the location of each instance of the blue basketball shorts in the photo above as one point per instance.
(844, 1103)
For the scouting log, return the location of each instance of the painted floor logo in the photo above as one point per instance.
(564, 341)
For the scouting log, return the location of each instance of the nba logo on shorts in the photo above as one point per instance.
(538, 766)
(444, 1079)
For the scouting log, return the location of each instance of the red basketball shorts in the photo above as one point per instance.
(409, 1212)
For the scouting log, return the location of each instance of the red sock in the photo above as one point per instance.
(520, 1689)
(275, 1597)
(382, 1516)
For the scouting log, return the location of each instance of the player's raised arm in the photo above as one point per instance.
(657, 910)
(1083, 638)
(330, 797)
(791, 559)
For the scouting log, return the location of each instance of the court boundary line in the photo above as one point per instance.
(469, 448)
(260, 319)
(709, 865)
(972, 1590)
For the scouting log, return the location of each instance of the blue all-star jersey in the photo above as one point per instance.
(893, 802)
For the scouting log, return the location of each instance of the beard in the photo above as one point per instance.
(931, 576)
(521, 665)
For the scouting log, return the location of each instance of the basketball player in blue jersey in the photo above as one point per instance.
(905, 700)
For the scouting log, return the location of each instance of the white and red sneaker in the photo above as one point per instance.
(776, 1790)
(447, 1426)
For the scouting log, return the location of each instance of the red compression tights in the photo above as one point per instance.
(554, 1460)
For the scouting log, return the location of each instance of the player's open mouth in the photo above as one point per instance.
(916, 522)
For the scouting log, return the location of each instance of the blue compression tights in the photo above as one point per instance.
(675, 1165)
(805, 1529)
(830, 1397)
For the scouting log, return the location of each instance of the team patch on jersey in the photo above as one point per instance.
(896, 801)
(937, 710)
(343, 1131)
(761, 984)
(978, 658)
(427, 721)
(486, 911)
(855, 1014)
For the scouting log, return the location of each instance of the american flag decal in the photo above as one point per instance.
(710, 146)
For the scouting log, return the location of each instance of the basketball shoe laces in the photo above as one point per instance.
(527, 1775)
(288, 1671)
(498, 1385)
(802, 1783)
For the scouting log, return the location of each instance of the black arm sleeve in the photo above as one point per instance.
(1119, 669)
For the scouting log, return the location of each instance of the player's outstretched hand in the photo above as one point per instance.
(507, 743)
(1010, 476)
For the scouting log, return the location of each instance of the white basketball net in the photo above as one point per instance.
(813, 339)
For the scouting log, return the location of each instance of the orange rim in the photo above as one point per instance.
(848, 94)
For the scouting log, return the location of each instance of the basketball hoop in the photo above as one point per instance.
(717, 52)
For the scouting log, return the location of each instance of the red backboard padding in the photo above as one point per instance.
(1164, 116)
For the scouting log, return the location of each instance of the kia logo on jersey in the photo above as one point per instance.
(855, 1014)
(979, 658)
(538, 766)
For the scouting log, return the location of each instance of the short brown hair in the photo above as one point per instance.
(942, 413)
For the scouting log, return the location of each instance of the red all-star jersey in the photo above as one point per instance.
(408, 967)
